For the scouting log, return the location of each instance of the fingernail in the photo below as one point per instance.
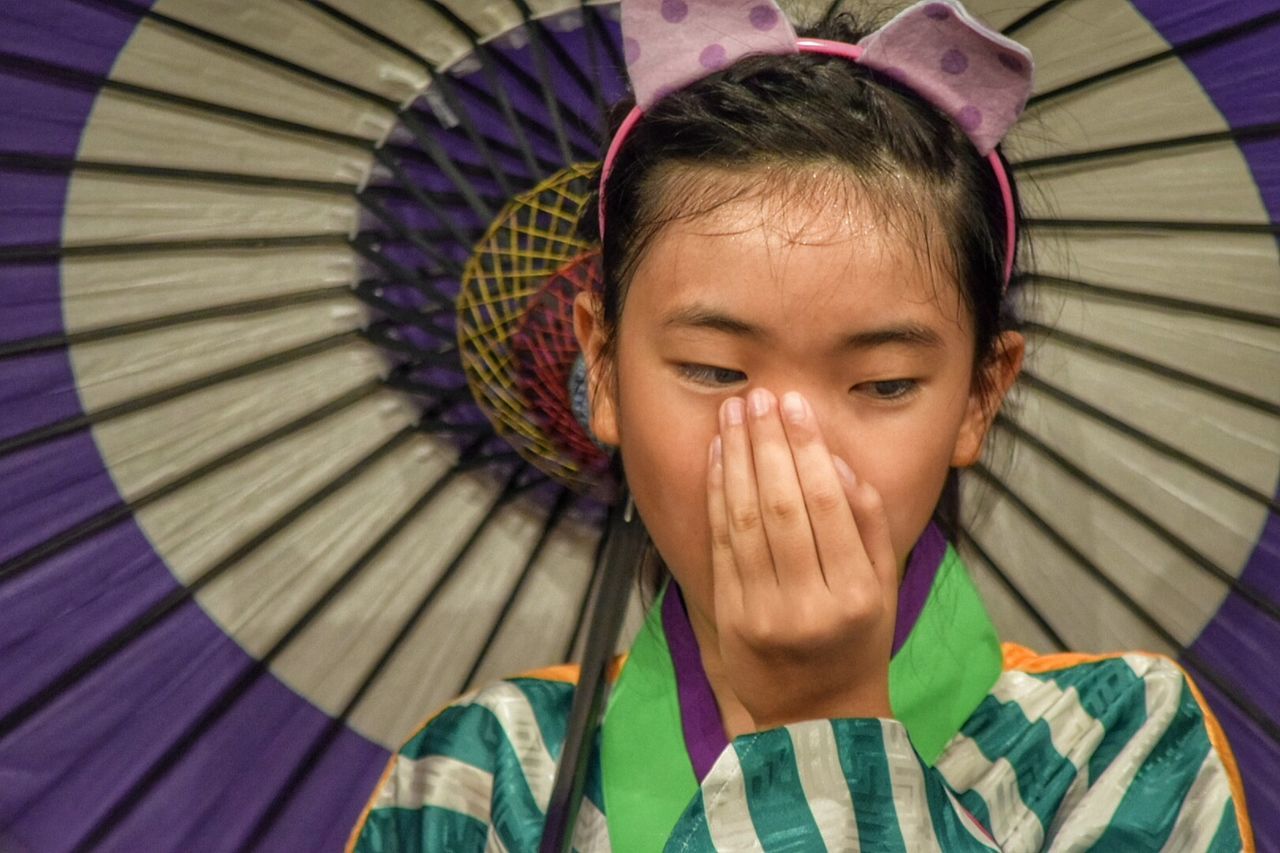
(733, 411)
(761, 401)
(845, 472)
(793, 407)
(715, 451)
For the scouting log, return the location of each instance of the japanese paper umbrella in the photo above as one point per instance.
(283, 467)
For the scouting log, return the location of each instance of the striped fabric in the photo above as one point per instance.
(1066, 753)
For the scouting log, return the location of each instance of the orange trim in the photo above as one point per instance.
(368, 806)
(566, 673)
(1025, 660)
(569, 673)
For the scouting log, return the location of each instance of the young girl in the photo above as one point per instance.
(801, 332)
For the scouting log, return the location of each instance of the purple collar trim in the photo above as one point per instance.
(704, 737)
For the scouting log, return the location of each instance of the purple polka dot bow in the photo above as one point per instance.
(936, 48)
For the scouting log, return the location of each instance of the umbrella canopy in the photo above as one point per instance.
(262, 510)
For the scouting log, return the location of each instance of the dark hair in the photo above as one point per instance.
(791, 113)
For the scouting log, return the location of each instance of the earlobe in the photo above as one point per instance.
(984, 402)
(589, 330)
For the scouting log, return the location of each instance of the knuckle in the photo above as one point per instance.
(826, 500)
(783, 509)
(745, 519)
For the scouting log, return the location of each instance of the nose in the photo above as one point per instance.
(822, 401)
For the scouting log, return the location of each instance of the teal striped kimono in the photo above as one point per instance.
(991, 748)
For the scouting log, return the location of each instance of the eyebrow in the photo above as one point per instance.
(704, 317)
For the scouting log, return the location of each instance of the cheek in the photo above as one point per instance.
(665, 433)
(907, 459)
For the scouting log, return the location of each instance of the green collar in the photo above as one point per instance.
(946, 665)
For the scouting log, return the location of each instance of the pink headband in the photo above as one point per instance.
(971, 73)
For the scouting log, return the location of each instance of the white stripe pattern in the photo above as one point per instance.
(823, 781)
(591, 833)
(515, 714)
(1096, 809)
(493, 841)
(724, 801)
(965, 768)
(1202, 809)
(440, 781)
(909, 796)
(971, 826)
(1074, 732)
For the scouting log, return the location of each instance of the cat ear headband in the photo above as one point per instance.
(935, 48)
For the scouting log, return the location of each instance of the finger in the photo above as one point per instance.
(782, 504)
(835, 534)
(873, 528)
(751, 556)
(728, 589)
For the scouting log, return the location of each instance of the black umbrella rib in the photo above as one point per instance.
(550, 101)
(371, 292)
(494, 88)
(588, 595)
(64, 165)
(1237, 135)
(243, 49)
(1253, 597)
(93, 82)
(167, 604)
(482, 143)
(558, 508)
(414, 56)
(543, 42)
(595, 16)
(119, 512)
(26, 346)
(369, 247)
(593, 32)
(1154, 443)
(1187, 48)
(1178, 226)
(1268, 726)
(368, 199)
(254, 671)
(965, 536)
(428, 203)
(1032, 15)
(122, 807)
(1155, 368)
(441, 159)
(432, 151)
(1146, 299)
(509, 492)
(489, 59)
(410, 235)
(12, 254)
(66, 426)
(284, 64)
(589, 85)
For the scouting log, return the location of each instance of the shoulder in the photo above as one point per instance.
(437, 791)
(1095, 744)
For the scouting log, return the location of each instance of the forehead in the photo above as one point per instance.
(818, 260)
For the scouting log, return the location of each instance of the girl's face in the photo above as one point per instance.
(830, 302)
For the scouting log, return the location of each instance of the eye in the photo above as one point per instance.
(706, 374)
(888, 389)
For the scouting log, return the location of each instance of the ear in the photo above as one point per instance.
(985, 400)
(589, 329)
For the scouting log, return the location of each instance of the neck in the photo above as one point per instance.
(733, 715)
